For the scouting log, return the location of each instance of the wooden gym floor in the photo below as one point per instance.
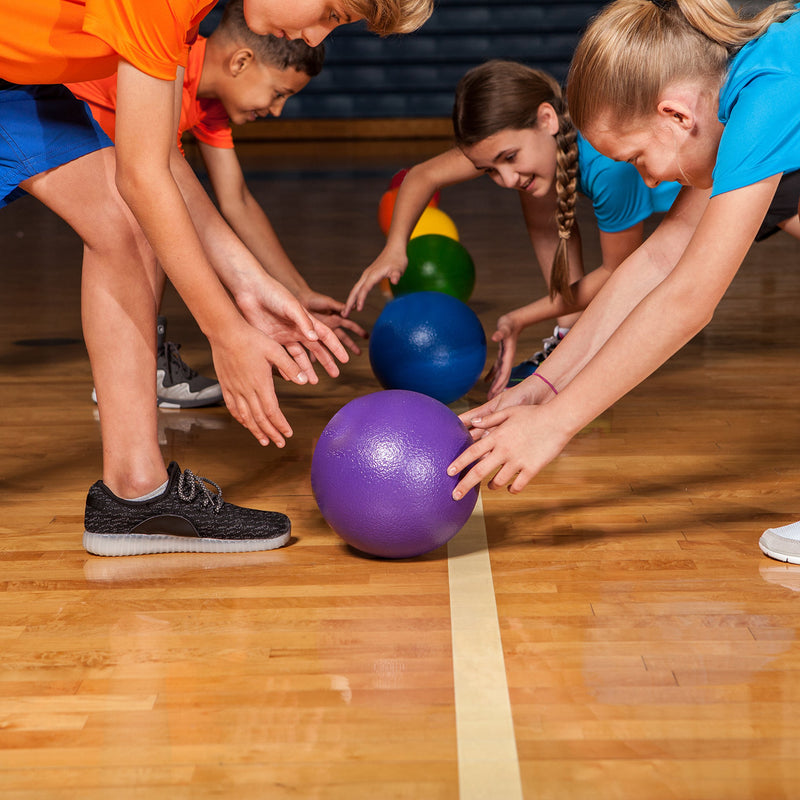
(612, 632)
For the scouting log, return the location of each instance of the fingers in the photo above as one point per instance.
(259, 413)
(347, 342)
(302, 360)
(358, 294)
(482, 467)
(329, 345)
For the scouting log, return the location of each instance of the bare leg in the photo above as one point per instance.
(120, 294)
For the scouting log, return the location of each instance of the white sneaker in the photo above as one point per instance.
(782, 544)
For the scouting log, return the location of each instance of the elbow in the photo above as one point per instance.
(131, 184)
(695, 310)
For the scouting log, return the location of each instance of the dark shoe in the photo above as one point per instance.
(178, 385)
(187, 518)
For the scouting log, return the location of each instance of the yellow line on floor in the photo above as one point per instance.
(488, 766)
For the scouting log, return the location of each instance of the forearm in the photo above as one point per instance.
(546, 308)
(625, 288)
(233, 262)
(158, 205)
(414, 194)
(669, 315)
(253, 227)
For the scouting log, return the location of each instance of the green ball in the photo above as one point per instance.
(437, 263)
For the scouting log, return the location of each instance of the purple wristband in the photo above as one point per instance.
(555, 391)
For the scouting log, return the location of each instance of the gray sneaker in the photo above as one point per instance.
(187, 518)
(178, 385)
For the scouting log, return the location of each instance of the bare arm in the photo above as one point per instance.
(416, 191)
(160, 188)
(627, 332)
(615, 248)
(245, 215)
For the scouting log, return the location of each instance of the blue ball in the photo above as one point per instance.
(428, 342)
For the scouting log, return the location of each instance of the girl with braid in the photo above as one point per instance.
(511, 123)
(686, 90)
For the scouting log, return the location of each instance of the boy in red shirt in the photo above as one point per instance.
(52, 149)
(234, 75)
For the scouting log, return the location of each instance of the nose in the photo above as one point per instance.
(507, 177)
(648, 179)
(277, 107)
(313, 35)
(650, 182)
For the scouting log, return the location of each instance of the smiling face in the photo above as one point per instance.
(520, 159)
(310, 20)
(258, 91)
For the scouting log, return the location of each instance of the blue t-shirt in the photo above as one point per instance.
(619, 196)
(759, 105)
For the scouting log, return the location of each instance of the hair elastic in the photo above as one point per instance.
(662, 4)
(555, 391)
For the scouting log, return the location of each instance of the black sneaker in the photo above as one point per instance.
(186, 518)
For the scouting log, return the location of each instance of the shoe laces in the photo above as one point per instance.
(177, 369)
(191, 486)
(548, 345)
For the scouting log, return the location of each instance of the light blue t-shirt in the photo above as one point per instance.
(619, 196)
(759, 105)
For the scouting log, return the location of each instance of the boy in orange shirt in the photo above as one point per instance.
(234, 75)
(52, 149)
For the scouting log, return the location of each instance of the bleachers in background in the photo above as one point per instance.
(415, 75)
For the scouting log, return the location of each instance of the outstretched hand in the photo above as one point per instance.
(511, 445)
(330, 312)
(243, 361)
(386, 265)
(277, 313)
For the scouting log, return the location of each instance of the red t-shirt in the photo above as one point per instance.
(204, 117)
(61, 41)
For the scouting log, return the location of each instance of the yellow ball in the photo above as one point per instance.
(434, 220)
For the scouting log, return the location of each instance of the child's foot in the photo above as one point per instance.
(782, 544)
(186, 518)
(526, 368)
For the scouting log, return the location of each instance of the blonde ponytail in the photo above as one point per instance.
(634, 48)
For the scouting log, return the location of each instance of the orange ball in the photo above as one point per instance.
(386, 208)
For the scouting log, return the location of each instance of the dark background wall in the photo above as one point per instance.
(415, 75)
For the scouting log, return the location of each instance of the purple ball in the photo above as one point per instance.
(379, 474)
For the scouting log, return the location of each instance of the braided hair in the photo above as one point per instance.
(505, 95)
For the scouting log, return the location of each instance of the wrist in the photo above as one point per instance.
(546, 382)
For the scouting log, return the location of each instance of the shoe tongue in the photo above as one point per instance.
(173, 470)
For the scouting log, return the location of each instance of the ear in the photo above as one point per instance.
(547, 119)
(240, 61)
(677, 111)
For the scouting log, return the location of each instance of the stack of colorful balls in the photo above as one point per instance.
(427, 339)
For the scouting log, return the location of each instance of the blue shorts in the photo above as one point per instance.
(41, 127)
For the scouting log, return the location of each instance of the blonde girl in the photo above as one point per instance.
(511, 122)
(685, 90)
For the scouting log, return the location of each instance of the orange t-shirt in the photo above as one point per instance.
(204, 117)
(60, 41)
